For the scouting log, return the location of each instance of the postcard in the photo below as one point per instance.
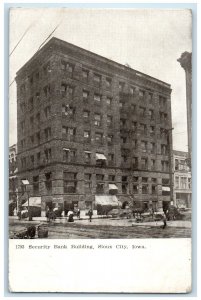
(100, 150)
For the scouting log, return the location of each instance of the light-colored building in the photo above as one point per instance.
(182, 180)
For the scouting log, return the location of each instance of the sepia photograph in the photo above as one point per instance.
(100, 145)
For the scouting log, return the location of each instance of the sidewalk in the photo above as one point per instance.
(97, 220)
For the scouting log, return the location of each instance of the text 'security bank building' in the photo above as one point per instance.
(92, 130)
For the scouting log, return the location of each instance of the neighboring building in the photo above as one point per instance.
(186, 63)
(182, 180)
(12, 175)
(90, 128)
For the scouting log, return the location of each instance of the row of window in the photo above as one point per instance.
(70, 156)
(182, 182)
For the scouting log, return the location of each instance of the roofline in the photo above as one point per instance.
(126, 68)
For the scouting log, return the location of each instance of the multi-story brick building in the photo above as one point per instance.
(12, 177)
(89, 126)
(182, 180)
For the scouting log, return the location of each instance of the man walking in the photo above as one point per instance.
(90, 215)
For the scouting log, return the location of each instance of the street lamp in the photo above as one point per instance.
(25, 182)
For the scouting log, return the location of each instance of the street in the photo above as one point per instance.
(107, 229)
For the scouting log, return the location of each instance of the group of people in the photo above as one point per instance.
(51, 214)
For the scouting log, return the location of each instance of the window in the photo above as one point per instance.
(134, 126)
(66, 66)
(47, 111)
(135, 162)
(109, 121)
(144, 179)
(189, 183)
(38, 118)
(144, 146)
(134, 144)
(176, 182)
(35, 185)
(124, 187)
(87, 156)
(70, 132)
(135, 189)
(46, 68)
(153, 189)
(141, 93)
(152, 148)
(99, 177)
(38, 98)
(48, 155)
(132, 90)
(47, 133)
(165, 166)
(31, 79)
(87, 182)
(38, 137)
(151, 114)
(163, 116)
(165, 181)
(123, 139)
(70, 182)
(108, 101)
(22, 88)
(122, 122)
(152, 130)
(48, 181)
(108, 82)
(124, 158)
(99, 188)
(46, 90)
(135, 178)
(133, 108)
(143, 128)
(85, 95)
(110, 158)
(97, 121)
(110, 139)
(121, 86)
(150, 96)
(67, 90)
(144, 163)
(86, 114)
(144, 188)
(97, 78)
(183, 183)
(154, 180)
(97, 98)
(23, 162)
(176, 164)
(111, 178)
(152, 161)
(98, 137)
(85, 74)
(87, 135)
(142, 111)
(162, 101)
(164, 150)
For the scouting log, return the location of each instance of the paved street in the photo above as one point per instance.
(108, 228)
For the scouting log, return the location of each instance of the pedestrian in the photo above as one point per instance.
(90, 215)
(164, 220)
(78, 213)
(48, 213)
(19, 215)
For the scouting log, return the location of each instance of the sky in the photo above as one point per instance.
(150, 41)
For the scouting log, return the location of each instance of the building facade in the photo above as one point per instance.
(89, 127)
(186, 63)
(13, 176)
(182, 180)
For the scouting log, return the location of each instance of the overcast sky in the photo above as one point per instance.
(150, 41)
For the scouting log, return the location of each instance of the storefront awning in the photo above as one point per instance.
(112, 186)
(100, 156)
(166, 188)
(33, 201)
(107, 200)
